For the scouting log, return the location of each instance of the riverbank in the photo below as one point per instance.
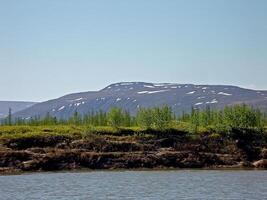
(24, 149)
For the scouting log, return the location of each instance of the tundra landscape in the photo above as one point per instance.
(133, 100)
(73, 132)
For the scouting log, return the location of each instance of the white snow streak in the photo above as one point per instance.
(149, 86)
(191, 92)
(61, 108)
(152, 92)
(212, 102)
(225, 94)
(142, 92)
(78, 99)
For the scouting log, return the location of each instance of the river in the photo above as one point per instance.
(147, 185)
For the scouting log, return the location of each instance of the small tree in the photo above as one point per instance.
(162, 117)
(9, 118)
(102, 118)
(75, 119)
(144, 118)
(194, 120)
(127, 119)
(48, 120)
(115, 117)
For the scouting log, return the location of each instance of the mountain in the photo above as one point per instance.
(133, 95)
(14, 105)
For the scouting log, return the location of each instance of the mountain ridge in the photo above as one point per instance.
(14, 105)
(133, 95)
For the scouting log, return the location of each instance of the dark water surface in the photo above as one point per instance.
(148, 185)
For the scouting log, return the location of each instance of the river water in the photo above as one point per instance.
(148, 185)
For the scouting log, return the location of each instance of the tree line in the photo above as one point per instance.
(157, 118)
(238, 116)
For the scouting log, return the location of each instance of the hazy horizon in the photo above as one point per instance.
(53, 48)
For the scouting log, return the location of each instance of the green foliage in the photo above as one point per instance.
(242, 116)
(75, 119)
(158, 118)
(239, 116)
(115, 117)
(144, 118)
(9, 117)
(162, 117)
(194, 120)
(19, 131)
(95, 118)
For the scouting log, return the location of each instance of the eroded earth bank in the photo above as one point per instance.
(128, 149)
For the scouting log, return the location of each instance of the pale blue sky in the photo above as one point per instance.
(49, 48)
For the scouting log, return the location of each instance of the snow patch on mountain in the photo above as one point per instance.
(152, 92)
(142, 92)
(159, 85)
(225, 94)
(212, 102)
(149, 86)
(79, 99)
(193, 92)
(61, 108)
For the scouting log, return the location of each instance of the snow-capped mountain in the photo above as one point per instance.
(133, 95)
(14, 105)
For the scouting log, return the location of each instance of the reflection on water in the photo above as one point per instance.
(148, 185)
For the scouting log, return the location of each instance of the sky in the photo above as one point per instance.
(49, 48)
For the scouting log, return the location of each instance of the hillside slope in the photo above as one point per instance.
(133, 95)
(14, 105)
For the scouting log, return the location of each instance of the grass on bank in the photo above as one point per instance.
(118, 122)
(81, 131)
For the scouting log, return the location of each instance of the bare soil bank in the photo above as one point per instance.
(129, 150)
